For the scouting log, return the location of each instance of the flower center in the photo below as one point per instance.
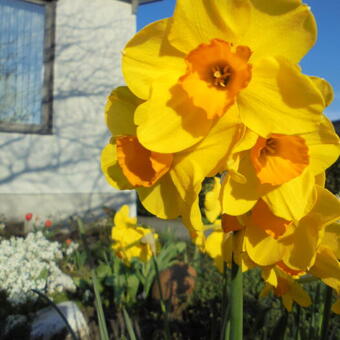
(216, 73)
(279, 158)
(270, 148)
(221, 75)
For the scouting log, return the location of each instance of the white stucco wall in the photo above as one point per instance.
(35, 168)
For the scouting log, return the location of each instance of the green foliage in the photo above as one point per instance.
(124, 292)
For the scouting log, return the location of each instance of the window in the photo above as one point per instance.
(26, 69)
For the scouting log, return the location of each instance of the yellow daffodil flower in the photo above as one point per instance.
(326, 265)
(168, 185)
(130, 240)
(281, 169)
(269, 239)
(213, 57)
(287, 288)
(126, 164)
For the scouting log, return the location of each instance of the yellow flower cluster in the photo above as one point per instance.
(216, 90)
(130, 240)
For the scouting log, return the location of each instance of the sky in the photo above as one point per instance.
(322, 61)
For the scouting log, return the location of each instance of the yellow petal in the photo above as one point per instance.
(191, 213)
(212, 204)
(212, 152)
(168, 122)
(162, 199)
(190, 167)
(214, 248)
(111, 169)
(331, 238)
(122, 218)
(320, 179)
(325, 88)
(301, 247)
(238, 198)
(280, 99)
(327, 268)
(299, 295)
(290, 291)
(119, 111)
(302, 244)
(269, 275)
(326, 209)
(246, 141)
(281, 27)
(294, 199)
(262, 217)
(198, 238)
(262, 248)
(324, 146)
(147, 56)
(196, 22)
(246, 262)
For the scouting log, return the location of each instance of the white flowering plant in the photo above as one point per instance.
(32, 263)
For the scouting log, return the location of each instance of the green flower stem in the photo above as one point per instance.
(104, 335)
(236, 300)
(162, 302)
(225, 331)
(326, 313)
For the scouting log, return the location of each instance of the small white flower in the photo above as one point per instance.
(31, 263)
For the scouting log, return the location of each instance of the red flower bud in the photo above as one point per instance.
(28, 216)
(48, 223)
(68, 241)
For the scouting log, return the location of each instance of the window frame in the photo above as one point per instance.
(45, 127)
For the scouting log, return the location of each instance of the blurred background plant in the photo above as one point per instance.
(31, 263)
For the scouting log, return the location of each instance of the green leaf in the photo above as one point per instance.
(181, 246)
(132, 289)
(129, 325)
(103, 270)
(109, 281)
(82, 283)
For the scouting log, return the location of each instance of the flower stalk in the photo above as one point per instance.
(225, 331)
(236, 300)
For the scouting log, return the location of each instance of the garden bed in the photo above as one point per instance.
(198, 312)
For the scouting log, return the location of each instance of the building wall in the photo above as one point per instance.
(63, 168)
